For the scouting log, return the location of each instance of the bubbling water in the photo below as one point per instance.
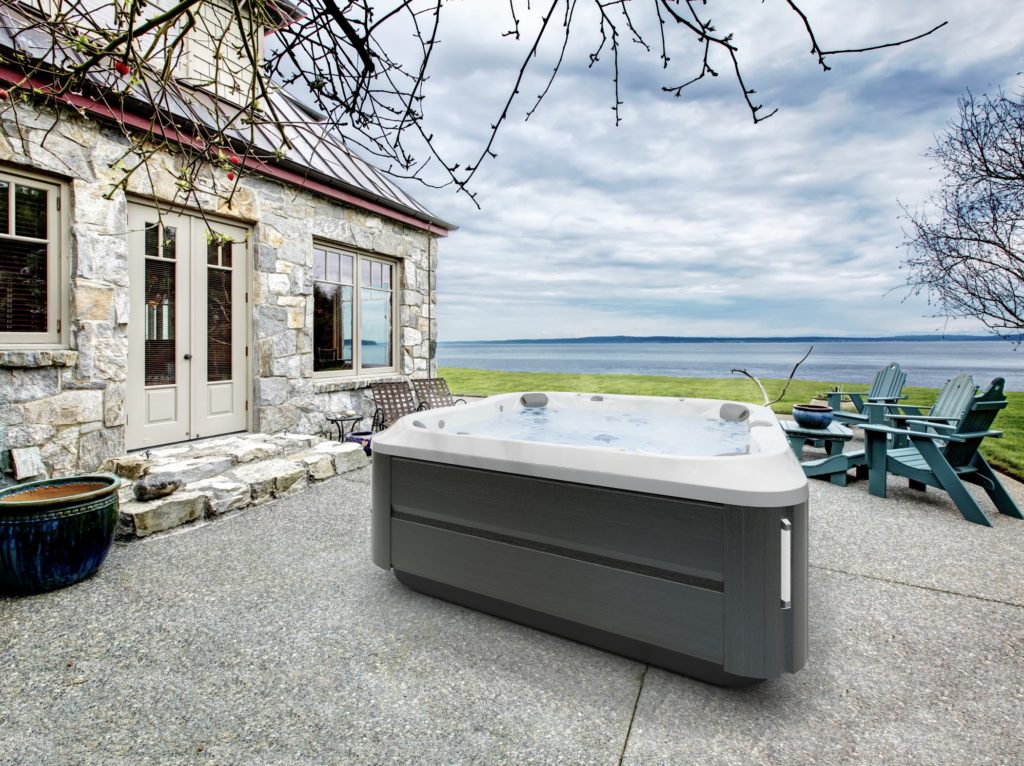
(683, 435)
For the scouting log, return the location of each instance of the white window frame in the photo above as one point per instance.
(357, 370)
(56, 334)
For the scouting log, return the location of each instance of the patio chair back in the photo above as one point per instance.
(393, 400)
(888, 383)
(955, 398)
(886, 389)
(978, 420)
(434, 392)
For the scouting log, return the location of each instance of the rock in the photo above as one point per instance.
(126, 466)
(139, 519)
(29, 435)
(161, 453)
(113, 405)
(273, 391)
(275, 419)
(60, 452)
(238, 448)
(270, 478)
(28, 463)
(411, 337)
(96, 445)
(192, 469)
(93, 300)
(152, 486)
(292, 442)
(248, 451)
(66, 408)
(125, 493)
(29, 385)
(279, 284)
(319, 465)
(347, 456)
(222, 494)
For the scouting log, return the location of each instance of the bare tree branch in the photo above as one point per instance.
(968, 255)
(346, 58)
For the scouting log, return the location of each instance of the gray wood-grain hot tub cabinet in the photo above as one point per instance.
(690, 586)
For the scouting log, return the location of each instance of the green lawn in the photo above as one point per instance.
(1006, 453)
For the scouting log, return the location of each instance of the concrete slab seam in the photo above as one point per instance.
(914, 585)
(632, 715)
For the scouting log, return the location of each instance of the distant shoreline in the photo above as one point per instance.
(709, 339)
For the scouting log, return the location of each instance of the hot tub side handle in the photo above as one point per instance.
(786, 580)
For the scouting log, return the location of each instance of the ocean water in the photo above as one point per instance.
(928, 363)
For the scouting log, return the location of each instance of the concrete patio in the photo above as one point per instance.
(268, 637)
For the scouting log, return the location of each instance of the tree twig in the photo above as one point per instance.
(767, 402)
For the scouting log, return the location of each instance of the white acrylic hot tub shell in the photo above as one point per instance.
(769, 476)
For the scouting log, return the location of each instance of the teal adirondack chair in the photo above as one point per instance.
(950, 406)
(887, 389)
(943, 456)
(953, 400)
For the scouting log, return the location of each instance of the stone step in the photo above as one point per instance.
(190, 458)
(235, 485)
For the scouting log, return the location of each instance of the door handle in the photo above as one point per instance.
(188, 356)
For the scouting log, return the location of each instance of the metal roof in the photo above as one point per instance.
(285, 135)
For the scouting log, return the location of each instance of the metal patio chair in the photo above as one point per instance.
(393, 401)
(434, 392)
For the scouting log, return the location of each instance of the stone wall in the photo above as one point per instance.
(287, 396)
(68, 406)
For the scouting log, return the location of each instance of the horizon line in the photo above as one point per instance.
(739, 338)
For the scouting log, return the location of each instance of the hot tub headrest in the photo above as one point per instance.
(534, 400)
(732, 411)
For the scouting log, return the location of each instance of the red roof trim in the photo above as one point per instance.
(105, 111)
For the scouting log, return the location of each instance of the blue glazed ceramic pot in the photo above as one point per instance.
(812, 415)
(55, 532)
(364, 439)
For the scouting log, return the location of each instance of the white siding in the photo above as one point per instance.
(217, 56)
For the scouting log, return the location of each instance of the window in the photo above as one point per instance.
(353, 312)
(30, 260)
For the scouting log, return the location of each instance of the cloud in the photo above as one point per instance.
(687, 219)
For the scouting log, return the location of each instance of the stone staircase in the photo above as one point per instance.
(225, 474)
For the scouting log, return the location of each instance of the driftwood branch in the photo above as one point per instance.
(758, 382)
(767, 402)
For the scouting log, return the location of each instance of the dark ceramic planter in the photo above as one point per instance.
(812, 415)
(364, 439)
(55, 532)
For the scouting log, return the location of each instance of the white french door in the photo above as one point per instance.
(187, 376)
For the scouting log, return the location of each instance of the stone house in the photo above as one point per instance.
(130, 319)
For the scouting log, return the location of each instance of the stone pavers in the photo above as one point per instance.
(225, 474)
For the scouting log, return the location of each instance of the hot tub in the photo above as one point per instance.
(672, 531)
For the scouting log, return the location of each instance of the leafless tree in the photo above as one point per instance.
(342, 54)
(967, 253)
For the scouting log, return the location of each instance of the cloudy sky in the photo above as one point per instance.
(687, 219)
